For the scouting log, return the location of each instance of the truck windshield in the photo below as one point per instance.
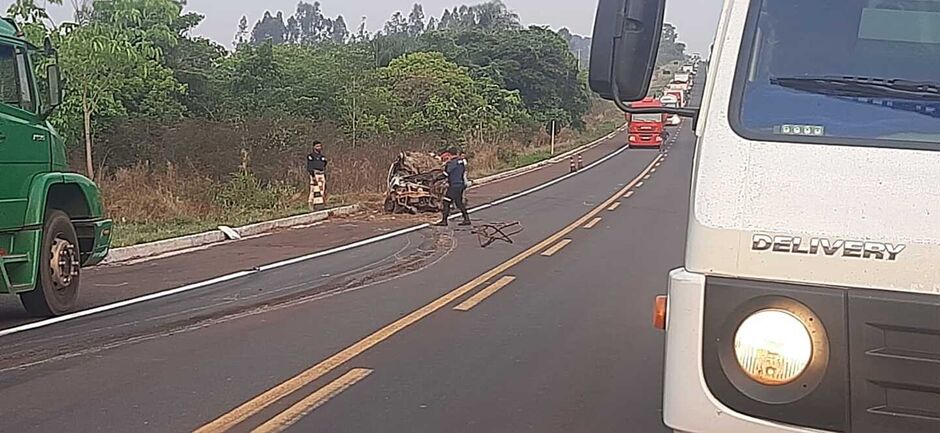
(862, 70)
(647, 117)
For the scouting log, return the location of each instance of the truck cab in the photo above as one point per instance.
(809, 297)
(646, 130)
(51, 221)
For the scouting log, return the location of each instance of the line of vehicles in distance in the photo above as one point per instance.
(648, 131)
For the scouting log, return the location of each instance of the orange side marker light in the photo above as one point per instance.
(659, 312)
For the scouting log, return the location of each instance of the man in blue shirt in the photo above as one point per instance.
(456, 171)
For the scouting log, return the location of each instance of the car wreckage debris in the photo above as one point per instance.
(488, 233)
(416, 184)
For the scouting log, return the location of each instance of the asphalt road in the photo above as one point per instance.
(422, 333)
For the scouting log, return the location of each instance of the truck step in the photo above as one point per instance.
(17, 259)
(7, 266)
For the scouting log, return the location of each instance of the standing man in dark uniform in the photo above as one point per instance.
(316, 167)
(456, 171)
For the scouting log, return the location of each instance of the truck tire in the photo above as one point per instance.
(59, 269)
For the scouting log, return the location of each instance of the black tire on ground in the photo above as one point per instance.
(47, 300)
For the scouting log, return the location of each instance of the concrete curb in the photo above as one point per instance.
(532, 167)
(294, 221)
(143, 251)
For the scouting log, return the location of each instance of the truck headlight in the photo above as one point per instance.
(773, 347)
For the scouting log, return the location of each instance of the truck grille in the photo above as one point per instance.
(894, 362)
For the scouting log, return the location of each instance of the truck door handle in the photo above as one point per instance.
(3, 137)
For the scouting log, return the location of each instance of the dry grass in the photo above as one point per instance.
(147, 194)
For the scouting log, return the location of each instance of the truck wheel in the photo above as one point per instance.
(59, 269)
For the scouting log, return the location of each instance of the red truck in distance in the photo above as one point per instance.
(646, 130)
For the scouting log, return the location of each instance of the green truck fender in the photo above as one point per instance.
(75, 194)
(79, 197)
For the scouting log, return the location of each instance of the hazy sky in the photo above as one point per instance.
(696, 19)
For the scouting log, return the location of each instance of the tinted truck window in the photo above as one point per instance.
(858, 70)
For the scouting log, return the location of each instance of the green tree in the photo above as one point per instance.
(396, 25)
(270, 28)
(308, 25)
(440, 97)
(242, 35)
(104, 64)
(670, 49)
(33, 19)
(493, 15)
(340, 33)
(194, 62)
(416, 25)
(536, 62)
(362, 33)
(249, 81)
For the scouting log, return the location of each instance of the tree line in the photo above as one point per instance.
(470, 74)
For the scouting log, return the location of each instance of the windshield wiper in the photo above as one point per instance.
(862, 87)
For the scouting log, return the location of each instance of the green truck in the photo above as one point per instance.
(52, 222)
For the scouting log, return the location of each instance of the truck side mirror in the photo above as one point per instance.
(624, 48)
(55, 86)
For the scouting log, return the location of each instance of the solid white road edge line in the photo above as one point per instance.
(241, 274)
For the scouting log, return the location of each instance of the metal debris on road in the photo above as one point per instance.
(489, 233)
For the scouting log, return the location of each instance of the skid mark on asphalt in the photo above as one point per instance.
(221, 302)
(482, 295)
(224, 319)
(320, 397)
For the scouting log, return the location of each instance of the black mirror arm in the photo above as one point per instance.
(691, 113)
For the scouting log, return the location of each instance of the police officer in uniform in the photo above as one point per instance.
(316, 167)
(456, 171)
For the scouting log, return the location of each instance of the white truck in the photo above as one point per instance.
(683, 77)
(809, 299)
(671, 101)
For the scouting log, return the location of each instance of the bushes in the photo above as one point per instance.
(245, 192)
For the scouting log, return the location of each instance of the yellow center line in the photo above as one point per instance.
(320, 397)
(555, 249)
(484, 294)
(614, 206)
(275, 394)
(629, 194)
(593, 223)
